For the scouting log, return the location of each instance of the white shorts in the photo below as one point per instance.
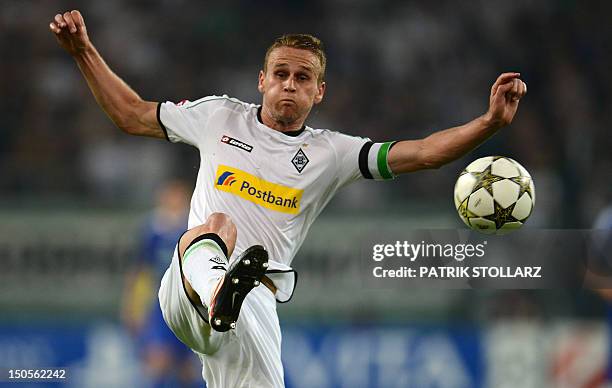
(249, 356)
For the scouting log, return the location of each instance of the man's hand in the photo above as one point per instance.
(70, 32)
(445, 146)
(506, 93)
(124, 106)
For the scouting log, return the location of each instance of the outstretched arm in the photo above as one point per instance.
(445, 146)
(124, 106)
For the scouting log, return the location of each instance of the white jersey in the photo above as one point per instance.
(271, 184)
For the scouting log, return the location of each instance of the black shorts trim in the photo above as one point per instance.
(294, 282)
(163, 127)
(363, 160)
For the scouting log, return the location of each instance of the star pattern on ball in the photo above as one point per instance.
(500, 216)
(497, 210)
(463, 210)
(524, 184)
(485, 179)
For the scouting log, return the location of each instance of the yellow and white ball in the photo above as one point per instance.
(494, 195)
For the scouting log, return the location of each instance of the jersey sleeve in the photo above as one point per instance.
(187, 121)
(361, 158)
(373, 161)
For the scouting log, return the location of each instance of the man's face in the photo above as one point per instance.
(289, 85)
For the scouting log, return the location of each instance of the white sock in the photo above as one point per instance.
(198, 262)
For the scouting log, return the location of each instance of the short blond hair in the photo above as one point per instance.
(303, 42)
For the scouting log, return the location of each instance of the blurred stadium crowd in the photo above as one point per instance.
(396, 70)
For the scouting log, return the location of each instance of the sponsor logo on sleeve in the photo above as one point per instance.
(236, 143)
(270, 195)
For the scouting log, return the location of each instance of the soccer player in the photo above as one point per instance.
(263, 179)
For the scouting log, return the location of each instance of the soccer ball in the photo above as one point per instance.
(494, 195)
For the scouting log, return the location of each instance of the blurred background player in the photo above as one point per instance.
(601, 251)
(166, 361)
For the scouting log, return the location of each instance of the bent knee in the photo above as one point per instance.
(218, 221)
(220, 224)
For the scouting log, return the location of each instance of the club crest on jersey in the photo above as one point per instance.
(236, 143)
(300, 160)
(270, 195)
